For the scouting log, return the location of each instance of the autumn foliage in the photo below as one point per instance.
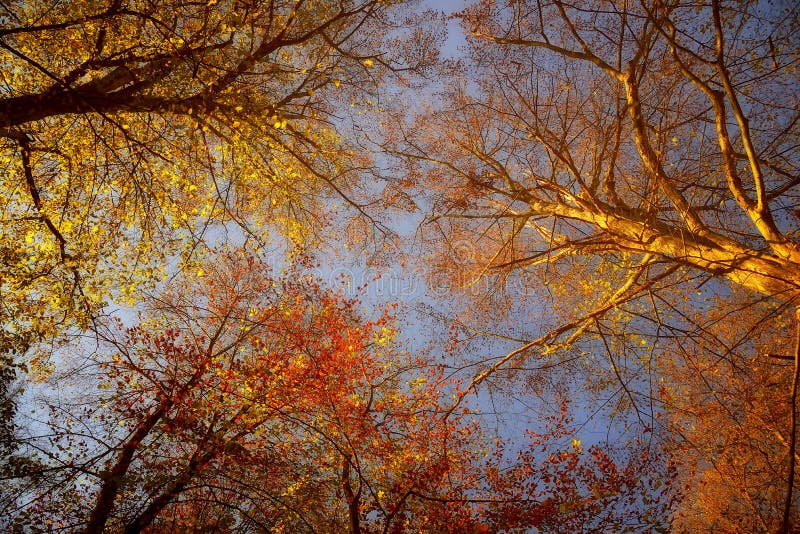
(600, 196)
(242, 402)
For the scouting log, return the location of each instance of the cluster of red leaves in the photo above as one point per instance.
(245, 402)
(277, 394)
(568, 488)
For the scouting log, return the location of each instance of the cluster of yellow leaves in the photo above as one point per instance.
(131, 193)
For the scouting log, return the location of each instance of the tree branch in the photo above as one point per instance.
(787, 507)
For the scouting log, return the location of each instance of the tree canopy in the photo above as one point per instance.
(131, 128)
(609, 189)
(242, 402)
(634, 167)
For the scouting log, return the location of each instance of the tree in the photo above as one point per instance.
(581, 128)
(729, 421)
(622, 162)
(244, 403)
(131, 128)
(267, 400)
(627, 156)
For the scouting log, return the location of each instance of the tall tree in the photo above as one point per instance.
(128, 128)
(637, 132)
(620, 162)
(269, 400)
(246, 403)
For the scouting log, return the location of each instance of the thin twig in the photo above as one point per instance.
(624, 294)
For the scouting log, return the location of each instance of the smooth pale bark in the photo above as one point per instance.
(766, 260)
(759, 271)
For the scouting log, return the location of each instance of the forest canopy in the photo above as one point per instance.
(609, 192)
